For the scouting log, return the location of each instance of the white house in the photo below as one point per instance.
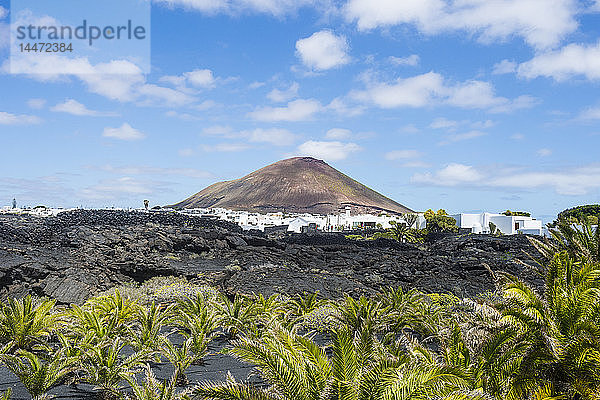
(508, 225)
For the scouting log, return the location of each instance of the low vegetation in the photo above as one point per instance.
(515, 343)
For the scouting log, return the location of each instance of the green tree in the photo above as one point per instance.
(153, 389)
(38, 375)
(555, 338)
(296, 368)
(581, 242)
(146, 331)
(180, 357)
(26, 322)
(402, 232)
(440, 222)
(105, 365)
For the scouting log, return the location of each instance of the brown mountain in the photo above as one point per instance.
(295, 185)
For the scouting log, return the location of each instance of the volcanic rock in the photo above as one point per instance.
(79, 254)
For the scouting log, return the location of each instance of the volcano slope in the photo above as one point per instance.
(298, 185)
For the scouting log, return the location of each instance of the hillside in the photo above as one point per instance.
(300, 184)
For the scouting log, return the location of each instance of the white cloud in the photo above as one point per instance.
(592, 113)
(443, 123)
(541, 23)
(476, 94)
(412, 60)
(544, 152)
(459, 137)
(517, 136)
(431, 89)
(124, 132)
(323, 50)
(4, 35)
(505, 67)
(330, 151)
(297, 110)
(274, 136)
(338, 134)
(199, 78)
(417, 91)
(36, 104)
(483, 124)
(159, 95)
(4, 29)
(452, 175)
(575, 181)
(256, 85)
(205, 105)
(74, 107)
(567, 62)
(402, 155)
(276, 8)
(15, 119)
(119, 80)
(519, 103)
(341, 107)
(219, 130)
(280, 96)
(202, 78)
(181, 116)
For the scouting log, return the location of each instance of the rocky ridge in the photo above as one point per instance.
(78, 254)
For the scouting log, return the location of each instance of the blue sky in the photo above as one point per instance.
(467, 105)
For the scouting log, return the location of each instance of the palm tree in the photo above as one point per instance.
(153, 389)
(199, 329)
(181, 357)
(268, 308)
(581, 241)
(296, 368)
(148, 324)
(302, 304)
(105, 366)
(94, 327)
(556, 337)
(26, 322)
(406, 309)
(237, 316)
(194, 306)
(196, 320)
(37, 375)
(402, 232)
(123, 309)
(363, 314)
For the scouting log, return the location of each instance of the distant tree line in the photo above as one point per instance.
(587, 213)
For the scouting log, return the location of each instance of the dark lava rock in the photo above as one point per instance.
(78, 254)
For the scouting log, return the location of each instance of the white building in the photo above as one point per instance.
(508, 225)
(301, 222)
